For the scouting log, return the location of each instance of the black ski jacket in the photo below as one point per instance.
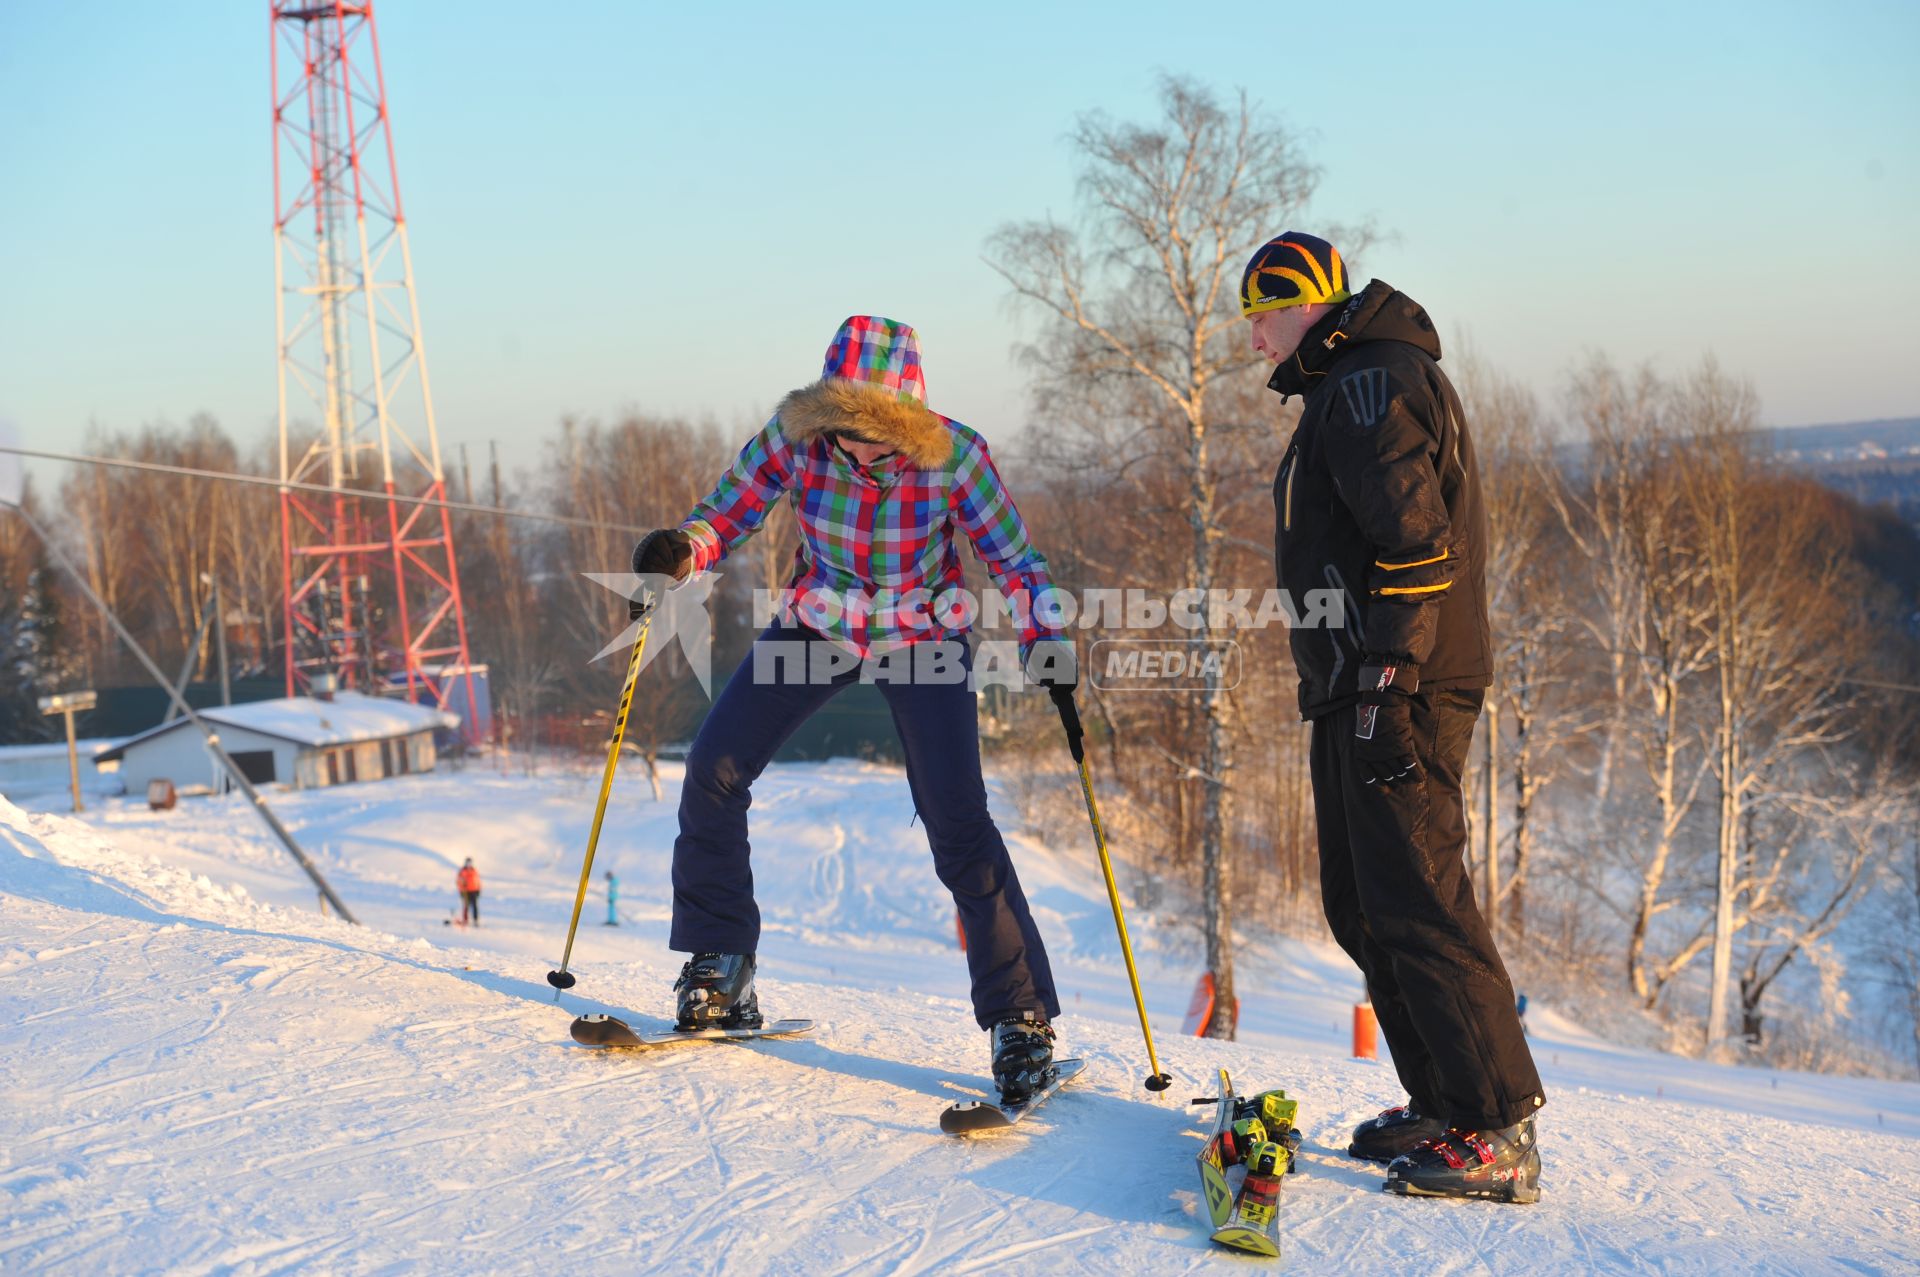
(1378, 497)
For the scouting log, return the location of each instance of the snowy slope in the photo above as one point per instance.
(201, 1075)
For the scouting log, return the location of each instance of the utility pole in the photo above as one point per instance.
(220, 642)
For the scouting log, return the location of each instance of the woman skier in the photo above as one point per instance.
(882, 487)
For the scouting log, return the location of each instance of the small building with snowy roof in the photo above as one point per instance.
(298, 741)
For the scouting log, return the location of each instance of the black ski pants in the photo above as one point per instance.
(1397, 895)
(936, 718)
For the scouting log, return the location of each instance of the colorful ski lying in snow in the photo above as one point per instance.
(605, 1030)
(1247, 1220)
(973, 1116)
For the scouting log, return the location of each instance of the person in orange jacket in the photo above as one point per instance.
(467, 881)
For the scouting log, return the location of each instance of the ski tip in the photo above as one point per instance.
(972, 1118)
(602, 1030)
(1252, 1241)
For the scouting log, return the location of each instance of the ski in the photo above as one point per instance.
(606, 1030)
(1247, 1220)
(1253, 1226)
(1212, 1159)
(970, 1117)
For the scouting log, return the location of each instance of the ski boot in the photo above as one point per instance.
(715, 991)
(1245, 1135)
(1022, 1057)
(1276, 1115)
(1394, 1132)
(1495, 1165)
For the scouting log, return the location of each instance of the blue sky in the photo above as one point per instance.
(630, 205)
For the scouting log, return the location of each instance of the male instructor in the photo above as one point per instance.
(1378, 498)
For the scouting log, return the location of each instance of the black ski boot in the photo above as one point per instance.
(1394, 1132)
(1022, 1058)
(1497, 1165)
(716, 992)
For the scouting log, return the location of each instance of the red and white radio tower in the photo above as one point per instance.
(372, 588)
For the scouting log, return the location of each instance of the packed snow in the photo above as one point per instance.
(204, 1075)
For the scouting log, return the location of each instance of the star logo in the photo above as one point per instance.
(679, 612)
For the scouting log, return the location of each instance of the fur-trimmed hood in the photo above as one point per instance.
(907, 426)
(872, 386)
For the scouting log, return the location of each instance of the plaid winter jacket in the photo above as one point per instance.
(878, 554)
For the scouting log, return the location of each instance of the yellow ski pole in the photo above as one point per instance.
(1070, 719)
(563, 979)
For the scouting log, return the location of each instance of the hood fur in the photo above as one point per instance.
(911, 429)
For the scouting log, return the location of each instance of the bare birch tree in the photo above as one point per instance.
(1533, 618)
(1142, 290)
(1642, 623)
(1779, 597)
(1670, 647)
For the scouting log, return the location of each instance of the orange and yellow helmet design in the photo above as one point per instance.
(1293, 269)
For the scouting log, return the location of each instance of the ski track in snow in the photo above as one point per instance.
(203, 1076)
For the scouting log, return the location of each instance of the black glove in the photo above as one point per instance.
(662, 552)
(1383, 728)
(1052, 663)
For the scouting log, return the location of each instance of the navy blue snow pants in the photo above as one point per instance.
(935, 717)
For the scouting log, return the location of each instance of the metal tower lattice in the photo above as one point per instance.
(372, 587)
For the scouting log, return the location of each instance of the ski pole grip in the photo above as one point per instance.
(1069, 719)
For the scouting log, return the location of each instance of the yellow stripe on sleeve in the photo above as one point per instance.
(1402, 567)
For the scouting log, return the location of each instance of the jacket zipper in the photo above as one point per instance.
(1286, 497)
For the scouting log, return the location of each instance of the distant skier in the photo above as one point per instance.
(467, 883)
(1379, 497)
(883, 488)
(613, 895)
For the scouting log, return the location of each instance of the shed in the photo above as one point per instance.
(296, 741)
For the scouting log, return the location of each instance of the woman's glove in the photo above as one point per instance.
(662, 552)
(1052, 663)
